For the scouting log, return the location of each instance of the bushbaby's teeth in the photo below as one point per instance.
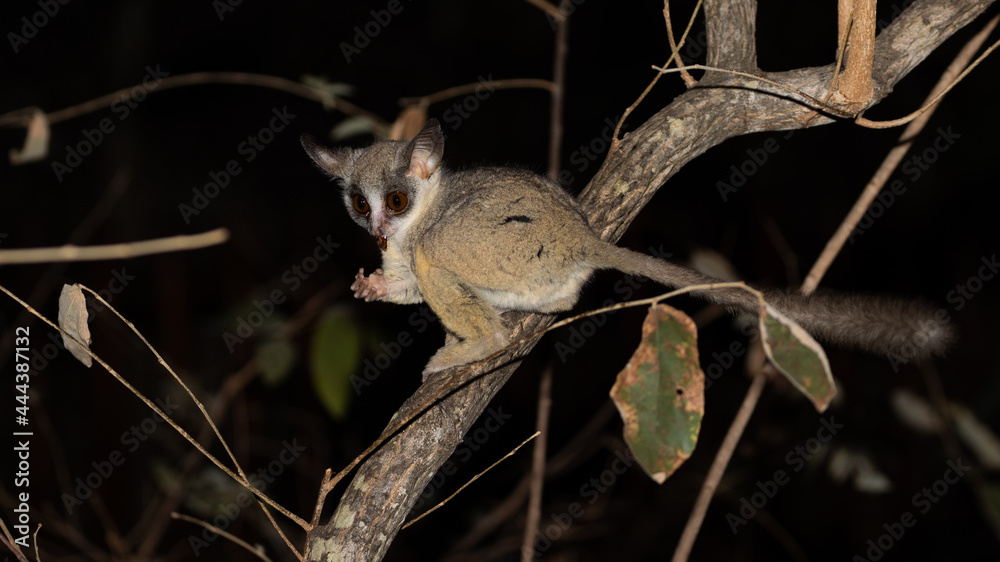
(383, 242)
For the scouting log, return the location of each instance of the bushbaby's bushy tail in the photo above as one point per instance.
(884, 325)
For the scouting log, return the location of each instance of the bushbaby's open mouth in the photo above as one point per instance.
(383, 242)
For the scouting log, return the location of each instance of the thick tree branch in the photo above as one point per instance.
(376, 502)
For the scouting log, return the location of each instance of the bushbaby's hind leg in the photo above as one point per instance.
(463, 313)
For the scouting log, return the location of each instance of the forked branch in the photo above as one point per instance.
(376, 502)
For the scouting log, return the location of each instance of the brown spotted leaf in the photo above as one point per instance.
(797, 355)
(73, 321)
(660, 394)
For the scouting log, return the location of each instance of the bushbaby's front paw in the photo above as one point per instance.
(370, 288)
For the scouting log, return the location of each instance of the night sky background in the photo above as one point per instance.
(932, 239)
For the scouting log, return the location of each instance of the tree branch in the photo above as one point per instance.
(376, 502)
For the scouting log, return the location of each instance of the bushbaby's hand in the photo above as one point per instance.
(370, 288)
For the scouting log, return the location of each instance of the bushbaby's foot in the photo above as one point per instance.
(370, 288)
(464, 352)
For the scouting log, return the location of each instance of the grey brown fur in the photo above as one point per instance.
(477, 242)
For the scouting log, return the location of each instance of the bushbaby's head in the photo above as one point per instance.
(382, 184)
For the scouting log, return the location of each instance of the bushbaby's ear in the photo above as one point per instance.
(331, 160)
(425, 150)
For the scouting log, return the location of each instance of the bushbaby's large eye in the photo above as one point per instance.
(396, 201)
(361, 205)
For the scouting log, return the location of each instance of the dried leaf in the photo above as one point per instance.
(977, 436)
(36, 145)
(329, 91)
(73, 320)
(408, 123)
(798, 356)
(915, 412)
(866, 477)
(352, 127)
(660, 394)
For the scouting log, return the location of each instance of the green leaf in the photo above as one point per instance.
(660, 394)
(275, 360)
(989, 502)
(333, 356)
(797, 355)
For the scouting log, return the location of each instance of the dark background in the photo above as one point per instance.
(929, 240)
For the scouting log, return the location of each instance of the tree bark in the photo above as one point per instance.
(719, 107)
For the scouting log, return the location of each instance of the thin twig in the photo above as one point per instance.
(861, 121)
(557, 464)
(474, 478)
(115, 251)
(675, 55)
(558, 92)
(812, 280)
(628, 110)
(158, 515)
(892, 160)
(548, 8)
(34, 540)
(719, 468)
(257, 551)
(46, 281)
(928, 105)
(201, 408)
(466, 89)
(538, 467)
(205, 78)
(318, 511)
(8, 541)
(817, 104)
(149, 403)
(155, 519)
